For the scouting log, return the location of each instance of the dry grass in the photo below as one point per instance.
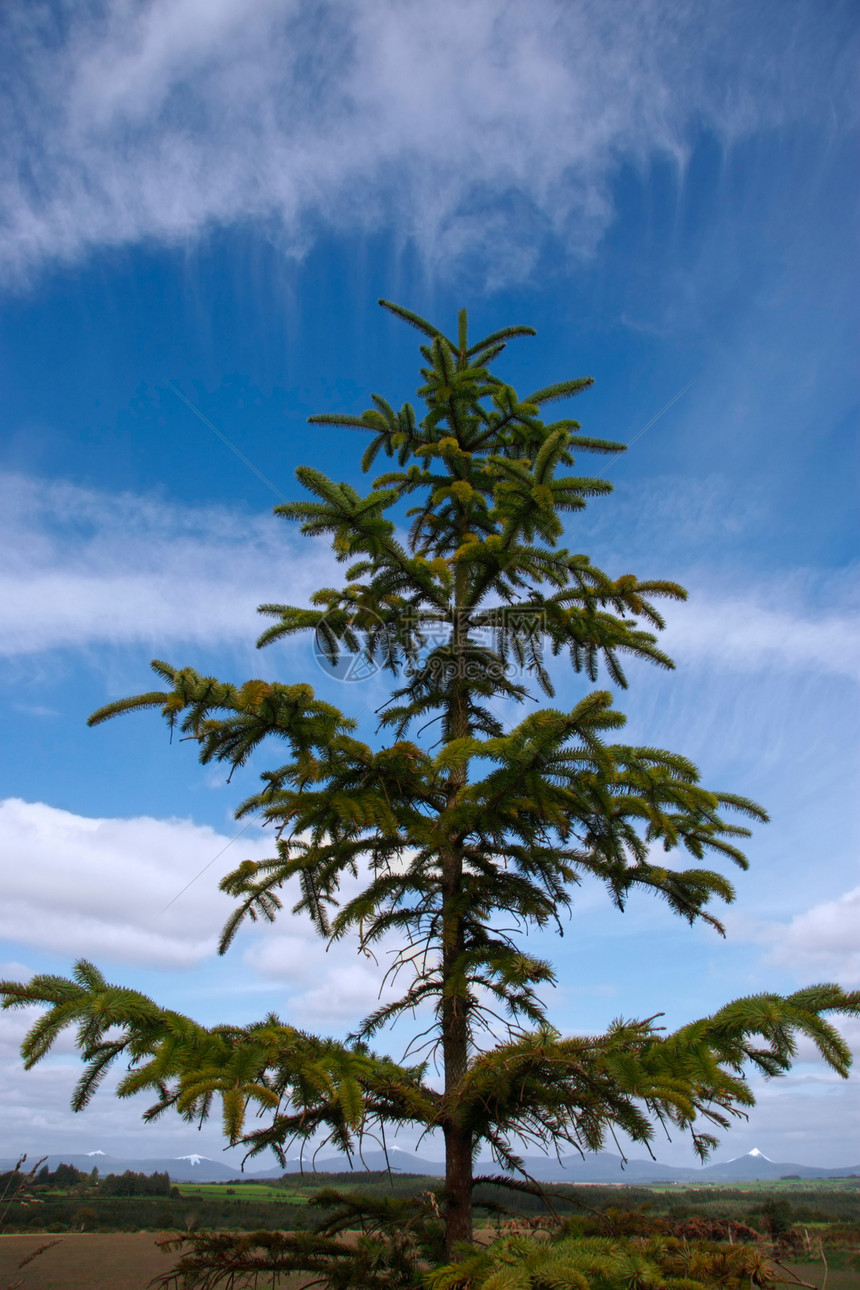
(122, 1260)
(814, 1274)
(91, 1261)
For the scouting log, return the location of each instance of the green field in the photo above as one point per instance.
(245, 1191)
(780, 1184)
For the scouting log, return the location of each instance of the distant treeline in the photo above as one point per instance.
(132, 1184)
(64, 1177)
(68, 1178)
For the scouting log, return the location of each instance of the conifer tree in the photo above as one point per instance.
(458, 826)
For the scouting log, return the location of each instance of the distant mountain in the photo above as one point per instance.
(755, 1167)
(601, 1167)
(398, 1160)
(191, 1168)
(604, 1167)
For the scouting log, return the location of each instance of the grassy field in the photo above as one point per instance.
(243, 1191)
(778, 1185)
(300, 1190)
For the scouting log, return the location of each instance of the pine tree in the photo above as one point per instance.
(455, 837)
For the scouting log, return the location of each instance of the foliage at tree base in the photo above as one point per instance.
(607, 1263)
(396, 1244)
(513, 1262)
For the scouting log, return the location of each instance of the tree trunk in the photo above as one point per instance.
(455, 1054)
(455, 1005)
(458, 1185)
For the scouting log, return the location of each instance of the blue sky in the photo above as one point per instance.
(214, 195)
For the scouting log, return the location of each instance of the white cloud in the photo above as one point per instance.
(98, 888)
(474, 127)
(795, 1121)
(83, 567)
(701, 533)
(331, 984)
(824, 940)
(35, 1116)
(802, 1118)
(808, 1116)
(749, 633)
(109, 889)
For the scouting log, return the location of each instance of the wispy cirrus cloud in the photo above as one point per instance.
(85, 568)
(748, 633)
(475, 128)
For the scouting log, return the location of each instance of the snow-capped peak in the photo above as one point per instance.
(96, 1153)
(193, 1160)
(755, 1154)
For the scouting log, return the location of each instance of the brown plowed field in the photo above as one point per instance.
(90, 1261)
